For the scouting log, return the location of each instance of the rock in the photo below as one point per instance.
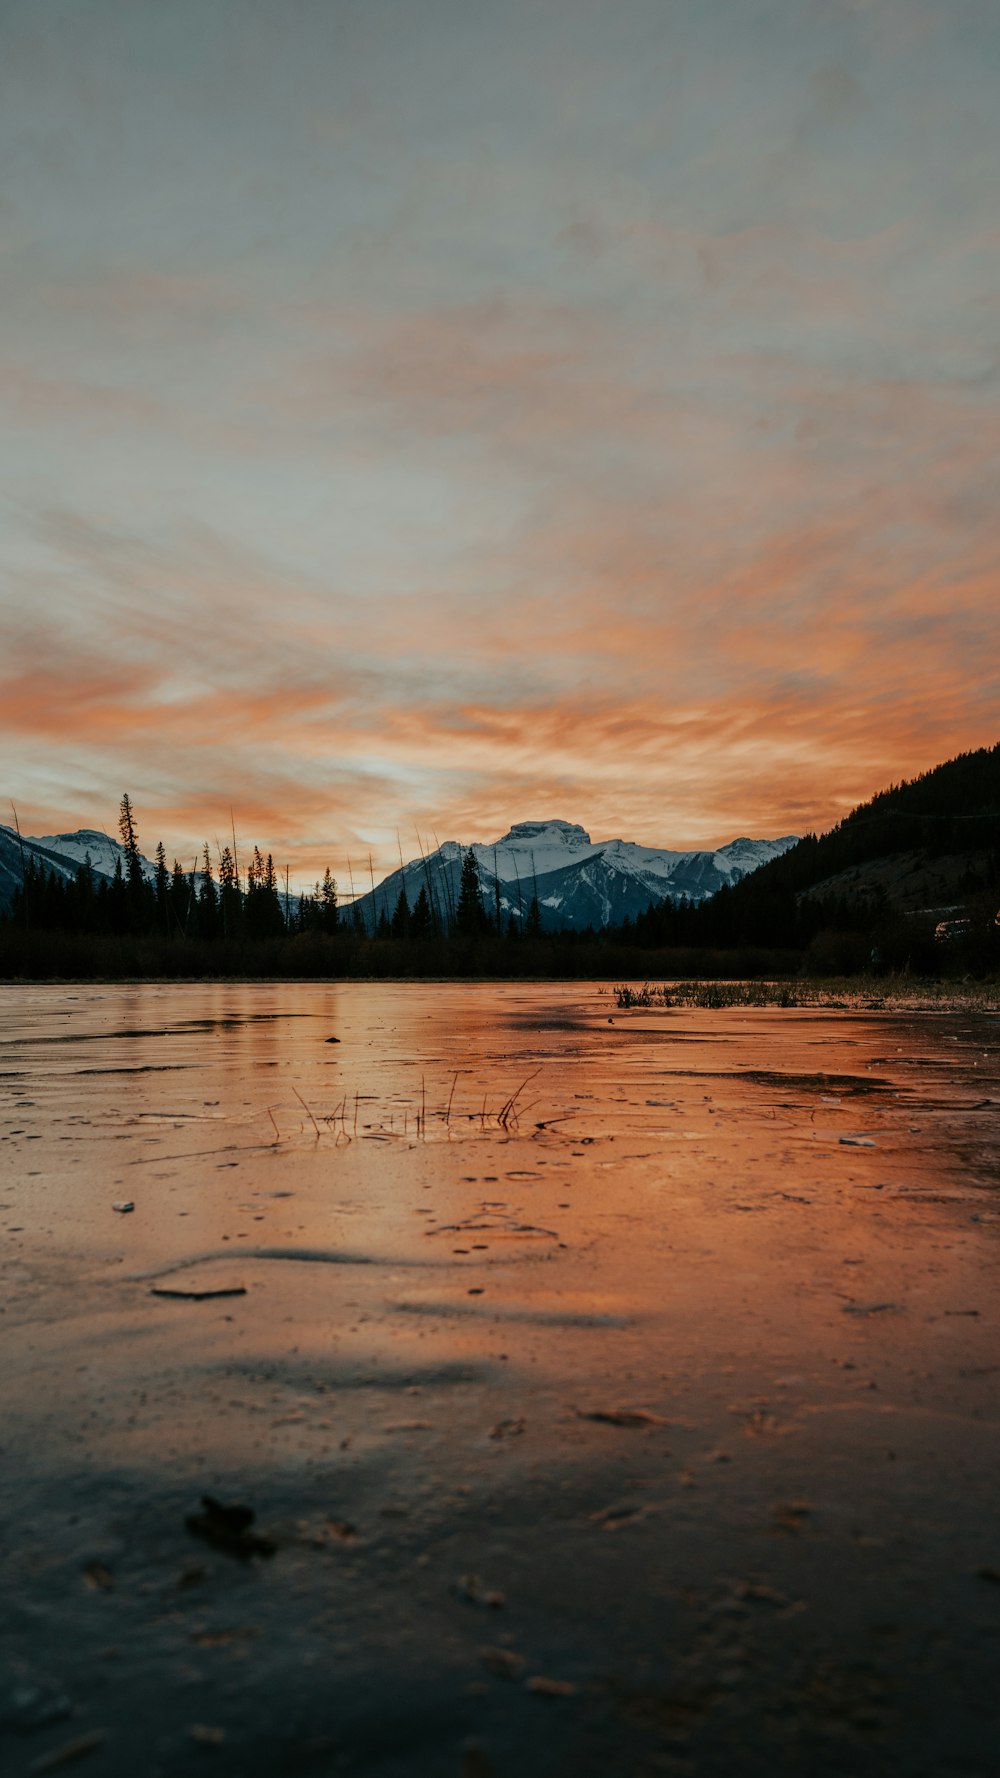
(228, 1528)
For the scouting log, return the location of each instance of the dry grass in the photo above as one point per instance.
(856, 994)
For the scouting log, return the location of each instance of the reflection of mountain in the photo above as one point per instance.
(578, 882)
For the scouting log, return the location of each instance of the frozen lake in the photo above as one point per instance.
(617, 1393)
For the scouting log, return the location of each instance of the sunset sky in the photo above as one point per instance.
(432, 414)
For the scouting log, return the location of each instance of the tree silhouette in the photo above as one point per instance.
(161, 889)
(230, 899)
(181, 896)
(130, 844)
(421, 922)
(401, 915)
(208, 901)
(470, 918)
(262, 908)
(329, 910)
(137, 899)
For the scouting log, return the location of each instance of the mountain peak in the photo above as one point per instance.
(565, 833)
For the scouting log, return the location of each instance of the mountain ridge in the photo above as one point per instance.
(579, 882)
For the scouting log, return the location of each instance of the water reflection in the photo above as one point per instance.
(526, 1280)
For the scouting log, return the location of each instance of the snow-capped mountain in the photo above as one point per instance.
(62, 853)
(103, 852)
(579, 882)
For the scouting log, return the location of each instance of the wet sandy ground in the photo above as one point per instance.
(615, 1393)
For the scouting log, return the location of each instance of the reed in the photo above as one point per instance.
(850, 994)
(506, 1118)
(307, 1111)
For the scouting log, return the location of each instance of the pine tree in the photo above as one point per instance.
(421, 923)
(329, 911)
(401, 915)
(130, 844)
(262, 909)
(470, 919)
(230, 899)
(271, 920)
(135, 882)
(162, 889)
(180, 896)
(208, 901)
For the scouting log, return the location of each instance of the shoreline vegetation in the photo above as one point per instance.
(873, 993)
(720, 981)
(765, 975)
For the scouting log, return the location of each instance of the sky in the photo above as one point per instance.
(418, 416)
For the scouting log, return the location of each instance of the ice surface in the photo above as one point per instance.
(603, 1412)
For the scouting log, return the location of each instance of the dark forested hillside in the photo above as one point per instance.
(884, 877)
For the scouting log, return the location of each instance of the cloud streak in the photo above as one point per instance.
(521, 412)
